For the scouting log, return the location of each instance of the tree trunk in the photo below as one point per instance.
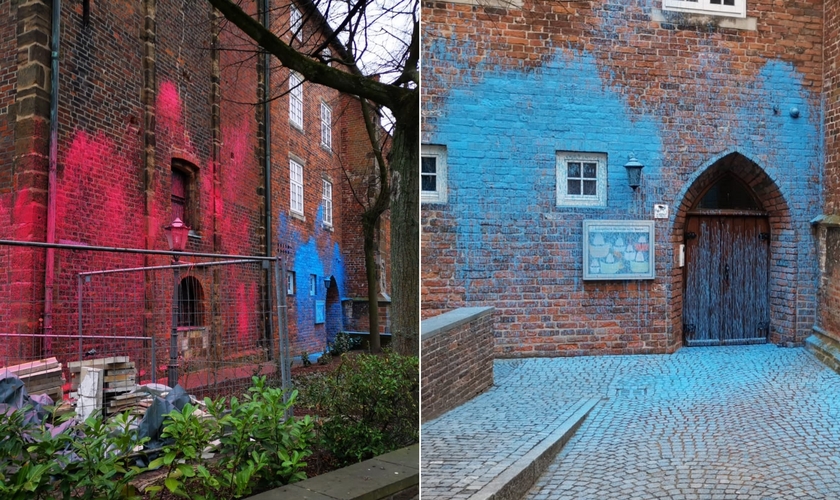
(405, 227)
(369, 229)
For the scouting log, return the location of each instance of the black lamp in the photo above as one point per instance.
(634, 171)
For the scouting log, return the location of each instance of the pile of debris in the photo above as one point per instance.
(107, 384)
(39, 377)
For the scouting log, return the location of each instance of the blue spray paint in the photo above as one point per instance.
(502, 135)
(317, 255)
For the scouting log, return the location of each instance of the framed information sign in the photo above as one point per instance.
(618, 250)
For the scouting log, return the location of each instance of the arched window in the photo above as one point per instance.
(191, 303)
(729, 193)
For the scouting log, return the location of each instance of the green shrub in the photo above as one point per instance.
(304, 358)
(368, 405)
(35, 464)
(342, 343)
(259, 447)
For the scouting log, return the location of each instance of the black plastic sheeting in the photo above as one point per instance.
(151, 425)
(13, 396)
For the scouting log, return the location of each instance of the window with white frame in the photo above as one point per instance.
(328, 205)
(433, 174)
(296, 186)
(326, 126)
(295, 22)
(296, 100)
(327, 55)
(313, 284)
(732, 8)
(581, 179)
(290, 282)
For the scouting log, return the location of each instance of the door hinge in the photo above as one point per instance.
(764, 236)
(690, 235)
(764, 329)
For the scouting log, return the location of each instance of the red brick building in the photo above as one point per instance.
(534, 115)
(165, 110)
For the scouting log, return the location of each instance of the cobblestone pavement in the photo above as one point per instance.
(745, 422)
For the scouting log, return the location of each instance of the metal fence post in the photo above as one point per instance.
(283, 357)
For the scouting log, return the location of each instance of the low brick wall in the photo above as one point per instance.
(456, 360)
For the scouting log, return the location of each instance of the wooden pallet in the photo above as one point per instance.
(44, 376)
(120, 378)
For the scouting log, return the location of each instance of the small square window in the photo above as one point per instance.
(296, 100)
(313, 284)
(732, 8)
(581, 179)
(433, 174)
(290, 282)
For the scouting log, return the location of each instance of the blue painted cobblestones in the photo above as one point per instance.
(747, 422)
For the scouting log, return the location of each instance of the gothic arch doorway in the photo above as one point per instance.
(333, 310)
(726, 297)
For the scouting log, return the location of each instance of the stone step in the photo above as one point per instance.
(518, 478)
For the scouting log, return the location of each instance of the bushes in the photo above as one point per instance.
(256, 445)
(261, 447)
(88, 461)
(368, 405)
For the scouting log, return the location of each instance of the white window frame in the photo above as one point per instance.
(327, 55)
(439, 194)
(313, 285)
(328, 203)
(564, 199)
(707, 8)
(290, 282)
(296, 100)
(295, 186)
(326, 126)
(295, 23)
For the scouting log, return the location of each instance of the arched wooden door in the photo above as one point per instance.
(727, 245)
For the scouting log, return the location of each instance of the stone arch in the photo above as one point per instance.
(783, 251)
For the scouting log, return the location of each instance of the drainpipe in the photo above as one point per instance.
(49, 275)
(267, 176)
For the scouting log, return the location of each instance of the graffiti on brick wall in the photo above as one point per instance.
(316, 254)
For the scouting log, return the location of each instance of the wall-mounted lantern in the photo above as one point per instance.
(634, 171)
(176, 235)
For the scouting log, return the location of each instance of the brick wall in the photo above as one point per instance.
(506, 88)
(143, 86)
(457, 358)
(829, 303)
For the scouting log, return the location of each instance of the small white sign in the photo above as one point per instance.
(660, 211)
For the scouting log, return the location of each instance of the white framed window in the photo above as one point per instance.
(732, 8)
(326, 126)
(328, 204)
(581, 179)
(290, 282)
(295, 22)
(313, 284)
(296, 100)
(432, 174)
(327, 55)
(320, 312)
(296, 186)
